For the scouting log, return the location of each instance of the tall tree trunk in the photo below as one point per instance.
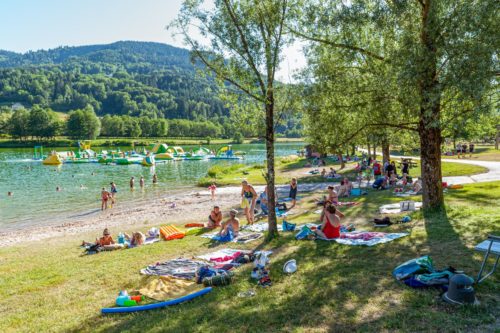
(369, 148)
(374, 151)
(385, 151)
(353, 150)
(342, 164)
(430, 107)
(270, 177)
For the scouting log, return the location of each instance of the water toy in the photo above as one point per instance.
(157, 305)
(170, 232)
(290, 266)
(225, 153)
(149, 160)
(124, 299)
(52, 159)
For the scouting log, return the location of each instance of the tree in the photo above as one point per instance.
(43, 123)
(18, 125)
(246, 39)
(436, 51)
(83, 124)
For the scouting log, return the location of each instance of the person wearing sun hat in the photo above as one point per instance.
(231, 226)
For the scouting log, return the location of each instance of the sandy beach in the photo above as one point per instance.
(193, 205)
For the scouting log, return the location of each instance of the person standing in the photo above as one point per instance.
(104, 199)
(212, 189)
(293, 192)
(141, 182)
(155, 179)
(248, 199)
(377, 169)
(113, 191)
(132, 182)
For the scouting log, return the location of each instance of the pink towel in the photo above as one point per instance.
(362, 235)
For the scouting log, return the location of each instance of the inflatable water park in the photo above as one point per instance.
(158, 153)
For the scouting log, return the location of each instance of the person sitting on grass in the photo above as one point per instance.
(323, 173)
(231, 226)
(417, 186)
(215, 218)
(380, 183)
(264, 202)
(330, 226)
(105, 242)
(345, 188)
(332, 173)
(332, 197)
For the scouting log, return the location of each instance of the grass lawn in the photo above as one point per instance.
(482, 153)
(289, 167)
(49, 287)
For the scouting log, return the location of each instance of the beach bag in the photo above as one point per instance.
(304, 233)
(281, 206)
(222, 279)
(356, 192)
(287, 226)
(414, 266)
(406, 206)
(204, 272)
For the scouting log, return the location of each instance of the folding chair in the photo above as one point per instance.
(489, 246)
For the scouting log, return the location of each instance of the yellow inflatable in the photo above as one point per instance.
(52, 159)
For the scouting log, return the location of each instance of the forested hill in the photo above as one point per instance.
(123, 78)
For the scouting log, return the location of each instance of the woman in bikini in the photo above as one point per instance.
(248, 199)
(215, 218)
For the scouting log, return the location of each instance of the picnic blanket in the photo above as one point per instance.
(259, 227)
(395, 208)
(366, 238)
(243, 236)
(407, 194)
(167, 287)
(347, 203)
(180, 268)
(222, 256)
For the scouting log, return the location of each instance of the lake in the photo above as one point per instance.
(36, 201)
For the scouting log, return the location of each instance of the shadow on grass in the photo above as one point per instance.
(337, 288)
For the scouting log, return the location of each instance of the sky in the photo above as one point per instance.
(42, 24)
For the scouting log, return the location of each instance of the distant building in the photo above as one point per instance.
(17, 106)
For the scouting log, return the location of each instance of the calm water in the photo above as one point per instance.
(36, 201)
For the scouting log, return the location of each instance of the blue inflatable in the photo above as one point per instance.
(157, 305)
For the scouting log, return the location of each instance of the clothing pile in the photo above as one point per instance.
(420, 273)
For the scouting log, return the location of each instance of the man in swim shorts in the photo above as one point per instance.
(231, 225)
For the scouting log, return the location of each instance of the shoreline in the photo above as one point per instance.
(192, 205)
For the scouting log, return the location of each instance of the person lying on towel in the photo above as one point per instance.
(330, 227)
(231, 226)
(106, 241)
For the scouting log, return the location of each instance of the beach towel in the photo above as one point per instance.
(194, 225)
(165, 287)
(179, 268)
(193, 231)
(222, 256)
(243, 236)
(366, 238)
(347, 203)
(290, 199)
(259, 227)
(396, 208)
